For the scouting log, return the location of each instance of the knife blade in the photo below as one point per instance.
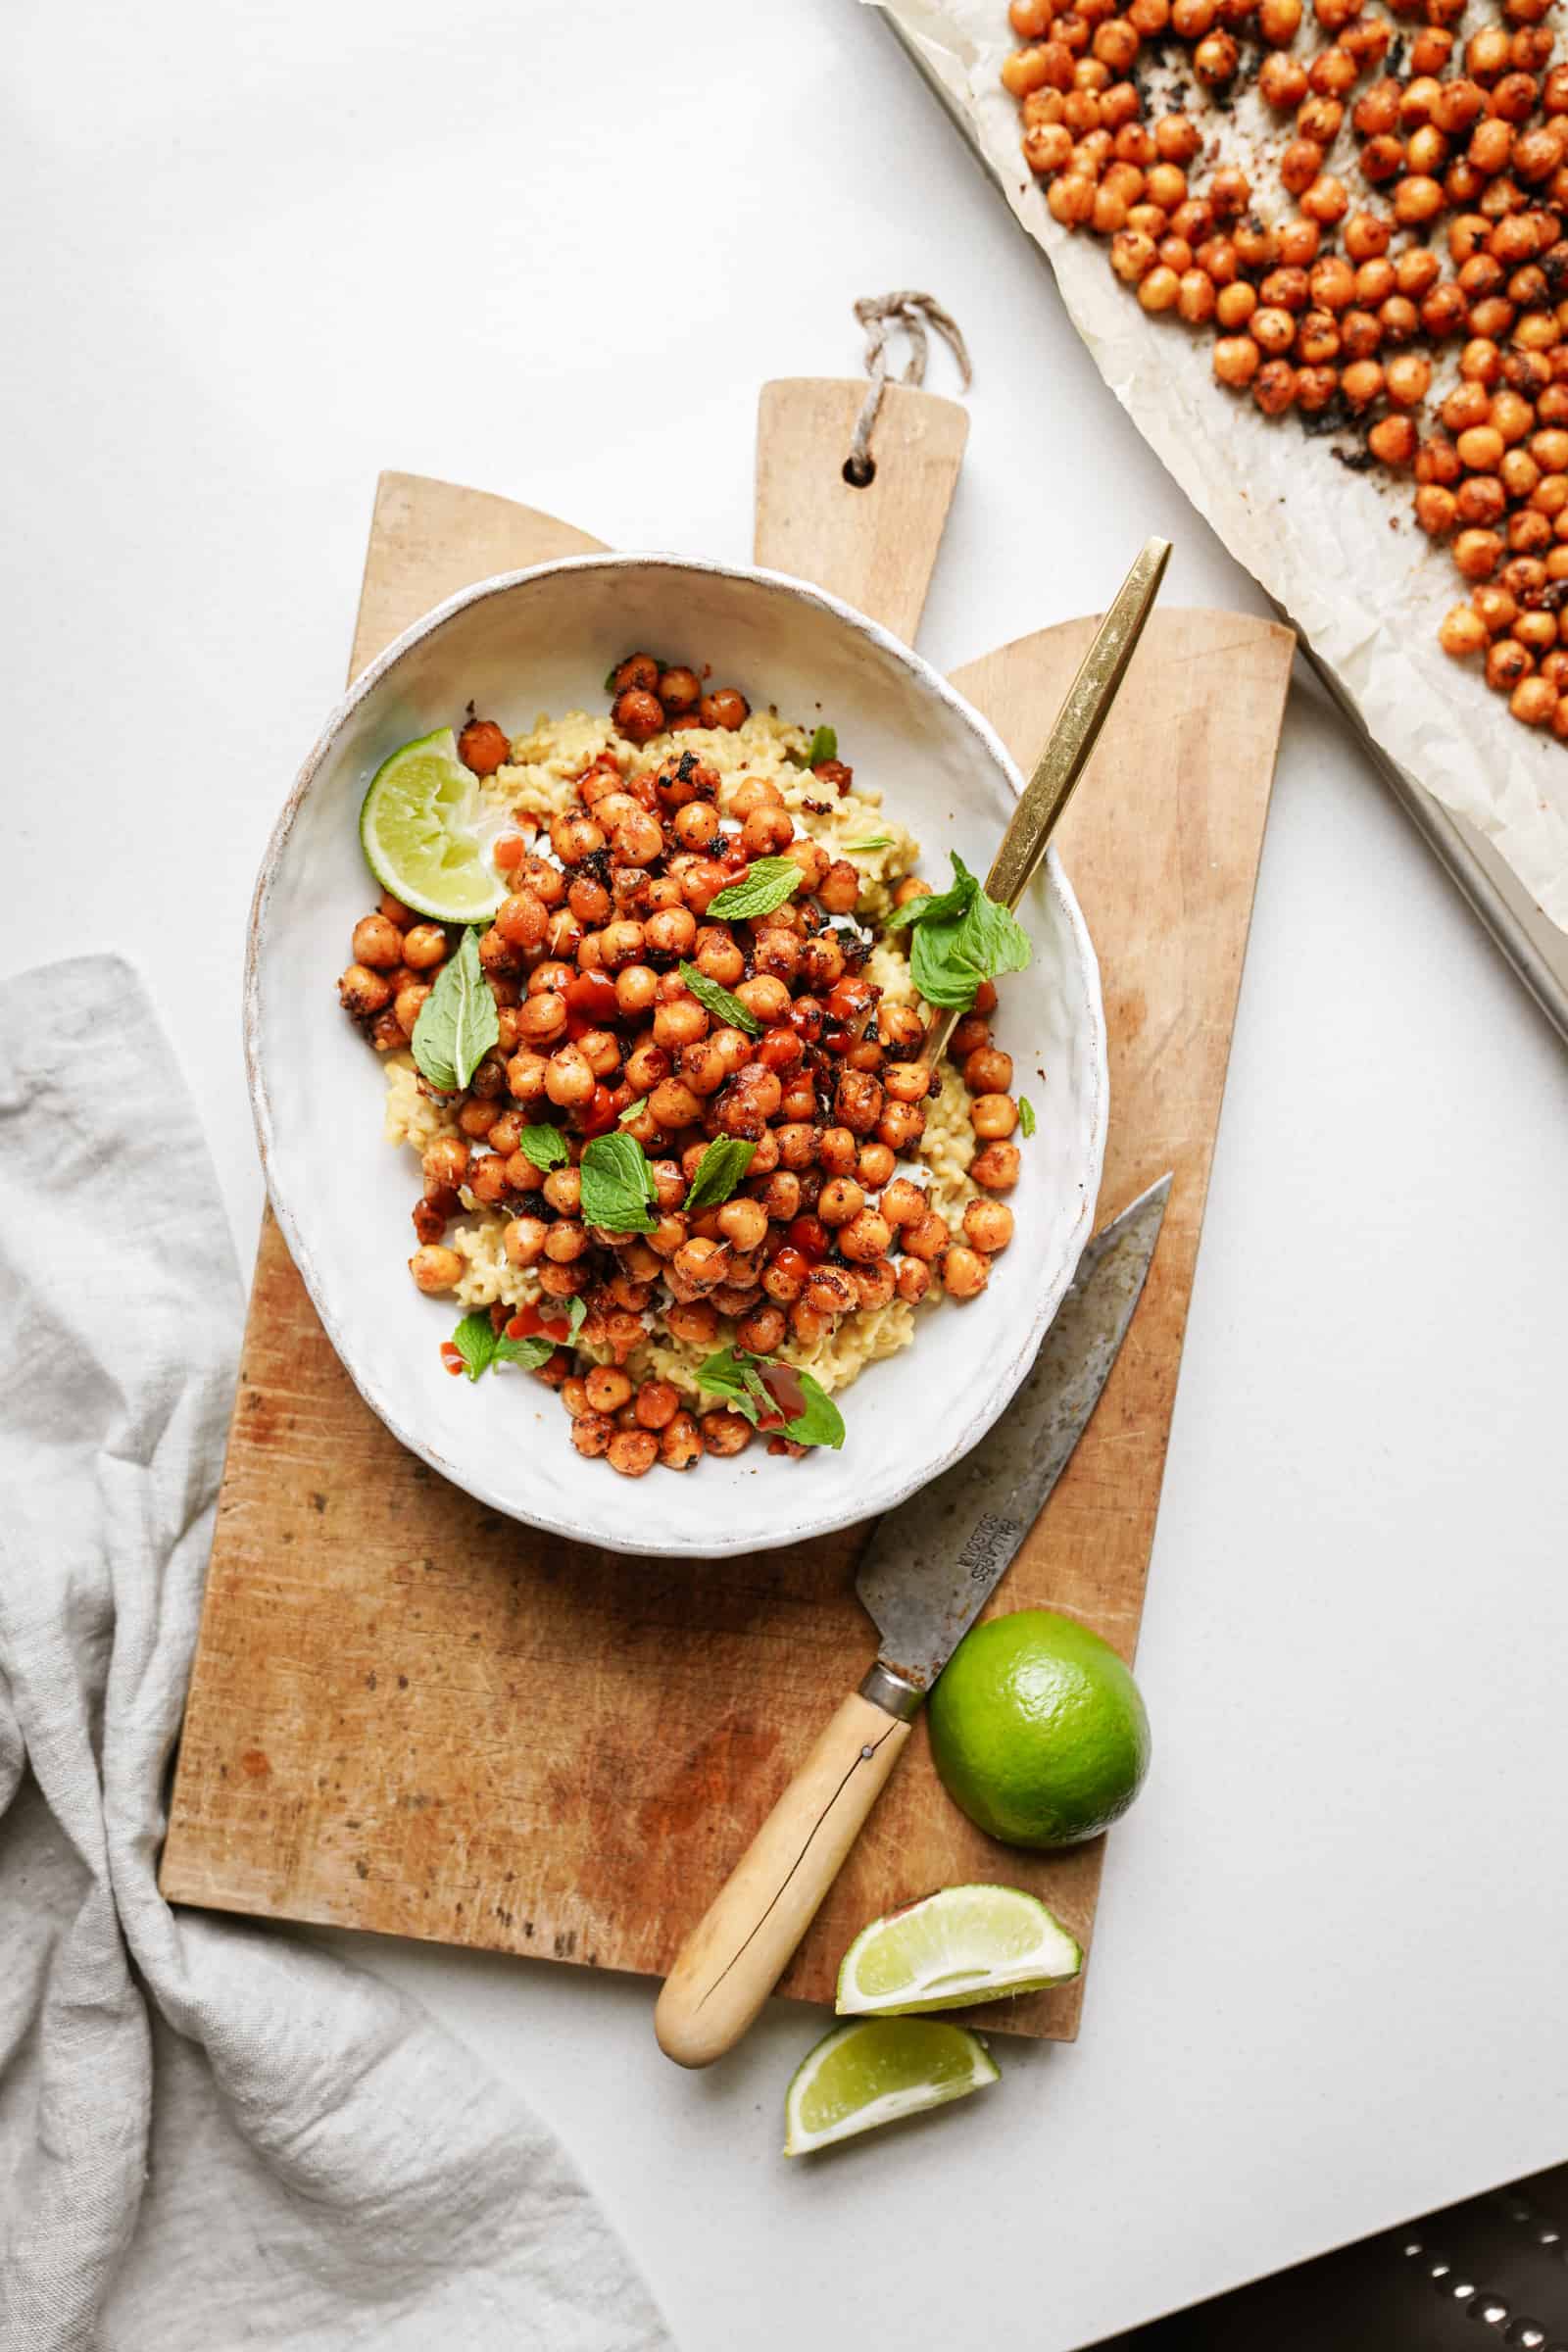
(933, 1562)
(928, 1569)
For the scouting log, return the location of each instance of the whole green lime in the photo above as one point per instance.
(1038, 1730)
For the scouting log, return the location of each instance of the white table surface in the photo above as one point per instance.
(259, 251)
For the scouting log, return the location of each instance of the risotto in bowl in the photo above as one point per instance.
(639, 1209)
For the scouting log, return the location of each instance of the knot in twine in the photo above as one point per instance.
(879, 314)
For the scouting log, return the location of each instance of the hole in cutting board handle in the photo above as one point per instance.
(860, 472)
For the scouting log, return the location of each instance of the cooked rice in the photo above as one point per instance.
(539, 783)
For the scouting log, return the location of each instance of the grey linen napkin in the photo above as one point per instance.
(210, 2135)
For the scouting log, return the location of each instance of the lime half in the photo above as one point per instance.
(878, 2070)
(422, 831)
(967, 1943)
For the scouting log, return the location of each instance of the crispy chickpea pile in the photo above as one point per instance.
(1425, 182)
(598, 1030)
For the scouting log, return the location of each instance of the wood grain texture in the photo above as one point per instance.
(411, 1715)
(430, 539)
(874, 546)
(738, 1949)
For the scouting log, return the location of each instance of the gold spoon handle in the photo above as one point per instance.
(1072, 739)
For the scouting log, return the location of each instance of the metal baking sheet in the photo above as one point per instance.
(1531, 943)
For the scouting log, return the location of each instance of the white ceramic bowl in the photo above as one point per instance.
(542, 640)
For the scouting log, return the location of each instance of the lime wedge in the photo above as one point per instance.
(876, 2072)
(967, 1943)
(421, 830)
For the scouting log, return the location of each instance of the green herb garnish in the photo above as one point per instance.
(458, 1023)
(766, 884)
(718, 1002)
(960, 938)
(734, 1375)
(479, 1344)
(824, 745)
(544, 1146)
(617, 1185)
(633, 1110)
(718, 1172)
(1026, 1115)
(882, 841)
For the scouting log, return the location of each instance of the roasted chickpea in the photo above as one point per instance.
(988, 1226)
(725, 1433)
(568, 1077)
(444, 1163)
(764, 998)
(633, 1452)
(637, 714)
(593, 1433)
(964, 1272)
(379, 945)
(362, 993)
(829, 1289)
(997, 1167)
(993, 1116)
(696, 826)
(742, 1223)
(435, 1268)
(409, 1004)
(913, 1279)
(680, 1443)
(866, 1236)
(840, 1200)
(901, 1125)
(541, 1019)
(727, 706)
(840, 887)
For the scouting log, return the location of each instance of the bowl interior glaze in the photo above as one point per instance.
(542, 641)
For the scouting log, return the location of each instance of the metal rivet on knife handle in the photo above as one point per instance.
(1072, 738)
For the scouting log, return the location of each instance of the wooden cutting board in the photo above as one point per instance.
(411, 1715)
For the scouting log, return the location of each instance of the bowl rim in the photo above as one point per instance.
(972, 1427)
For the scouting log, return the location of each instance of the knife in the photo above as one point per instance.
(927, 1572)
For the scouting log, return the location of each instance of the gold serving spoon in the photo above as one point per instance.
(1071, 740)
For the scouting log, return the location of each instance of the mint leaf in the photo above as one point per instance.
(719, 1172)
(718, 1002)
(824, 745)
(961, 937)
(740, 1380)
(545, 1146)
(1026, 1115)
(475, 1342)
(881, 841)
(992, 939)
(821, 1423)
(766, 884)
(943, 978)
(539, 1346)
(617, 1185)
(458, 1023)
(633, 1110)
(942, 905)
(723, 1375)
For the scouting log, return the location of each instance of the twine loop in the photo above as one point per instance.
(879, 314)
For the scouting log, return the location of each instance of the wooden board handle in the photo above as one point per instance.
(734, 1957)
(875, 545)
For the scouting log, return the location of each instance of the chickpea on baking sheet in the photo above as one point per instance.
(1392, 266)
(696, 1175)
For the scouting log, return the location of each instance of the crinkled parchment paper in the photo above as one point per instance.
(1340, 551)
